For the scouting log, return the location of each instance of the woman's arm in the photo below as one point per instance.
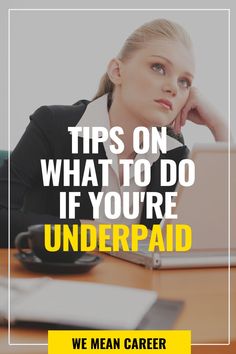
(199, 111)
(25, 175)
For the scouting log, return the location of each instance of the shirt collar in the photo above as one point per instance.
(96, 114)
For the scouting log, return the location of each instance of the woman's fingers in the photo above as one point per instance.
(185, 111)
(183, 119)
(177, 124)
(189, 109)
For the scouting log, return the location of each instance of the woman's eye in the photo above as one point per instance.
(159, 67)
(185, 83)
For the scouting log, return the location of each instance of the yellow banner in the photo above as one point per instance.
(71, 342)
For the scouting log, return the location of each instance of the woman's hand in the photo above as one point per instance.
(199, 111)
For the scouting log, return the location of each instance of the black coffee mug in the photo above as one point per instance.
(36, 242)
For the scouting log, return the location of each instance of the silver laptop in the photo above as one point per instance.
(205, 207)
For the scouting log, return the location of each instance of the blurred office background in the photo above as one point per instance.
(58, 57)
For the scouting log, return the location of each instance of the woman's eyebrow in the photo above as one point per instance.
(170, 62)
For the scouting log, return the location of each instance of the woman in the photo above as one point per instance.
(148, 84)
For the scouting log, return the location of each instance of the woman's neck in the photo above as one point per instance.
(120, 116)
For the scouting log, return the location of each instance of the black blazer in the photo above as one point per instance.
(47, 137)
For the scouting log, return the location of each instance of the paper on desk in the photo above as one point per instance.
(19, 287)
(85, 304)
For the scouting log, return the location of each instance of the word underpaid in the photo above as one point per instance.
(107, 237)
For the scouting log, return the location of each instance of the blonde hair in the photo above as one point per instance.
(157, 29)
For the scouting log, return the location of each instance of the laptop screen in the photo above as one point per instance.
(204, 206)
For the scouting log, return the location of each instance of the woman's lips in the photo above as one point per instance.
(165, 103)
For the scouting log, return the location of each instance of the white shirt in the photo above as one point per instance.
(96, 115)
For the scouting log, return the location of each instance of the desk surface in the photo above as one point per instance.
(204, 292)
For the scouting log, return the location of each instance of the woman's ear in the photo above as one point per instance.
(114, 71)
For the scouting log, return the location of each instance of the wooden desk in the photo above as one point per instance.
(204, 292)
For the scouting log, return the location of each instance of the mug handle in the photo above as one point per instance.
(18, 241)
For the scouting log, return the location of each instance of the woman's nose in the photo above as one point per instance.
(170, 87)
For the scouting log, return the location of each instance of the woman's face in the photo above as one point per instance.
(155, 82)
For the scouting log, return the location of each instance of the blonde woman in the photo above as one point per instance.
(148, 84)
